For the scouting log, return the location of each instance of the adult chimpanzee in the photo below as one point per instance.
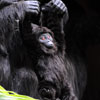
(12, 51)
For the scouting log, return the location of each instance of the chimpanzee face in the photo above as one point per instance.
(43, 39)
(47, 40)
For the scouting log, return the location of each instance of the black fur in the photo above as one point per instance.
(14, 59)
(59, 74)
(54, 74)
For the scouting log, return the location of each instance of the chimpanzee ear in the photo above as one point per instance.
(34, 26)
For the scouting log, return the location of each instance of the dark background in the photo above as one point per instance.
(83, 36)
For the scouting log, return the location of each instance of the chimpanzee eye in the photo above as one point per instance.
(49, 37)
(46, 37)
(43, 38)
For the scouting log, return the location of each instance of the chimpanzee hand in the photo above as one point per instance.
(32, 6)
(57, 6)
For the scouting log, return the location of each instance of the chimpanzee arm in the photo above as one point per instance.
(12, 13)
(55, 16)
(18, 9)
(58, 8)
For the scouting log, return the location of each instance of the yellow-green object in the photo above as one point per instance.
(10, 95)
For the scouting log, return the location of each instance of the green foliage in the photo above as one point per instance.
(10, 95)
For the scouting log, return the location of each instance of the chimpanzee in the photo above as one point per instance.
(13, 54)
(18, 71)
(59, 75)
(51, 67)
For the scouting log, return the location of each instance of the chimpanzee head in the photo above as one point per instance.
(43, 39)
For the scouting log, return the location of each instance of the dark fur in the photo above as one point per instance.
(57, 72)
(74, 64)
(53, 70)
(14, 59)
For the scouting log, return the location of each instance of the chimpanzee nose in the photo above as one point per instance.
(50, 44)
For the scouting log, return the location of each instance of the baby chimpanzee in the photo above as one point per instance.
(55, 72)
